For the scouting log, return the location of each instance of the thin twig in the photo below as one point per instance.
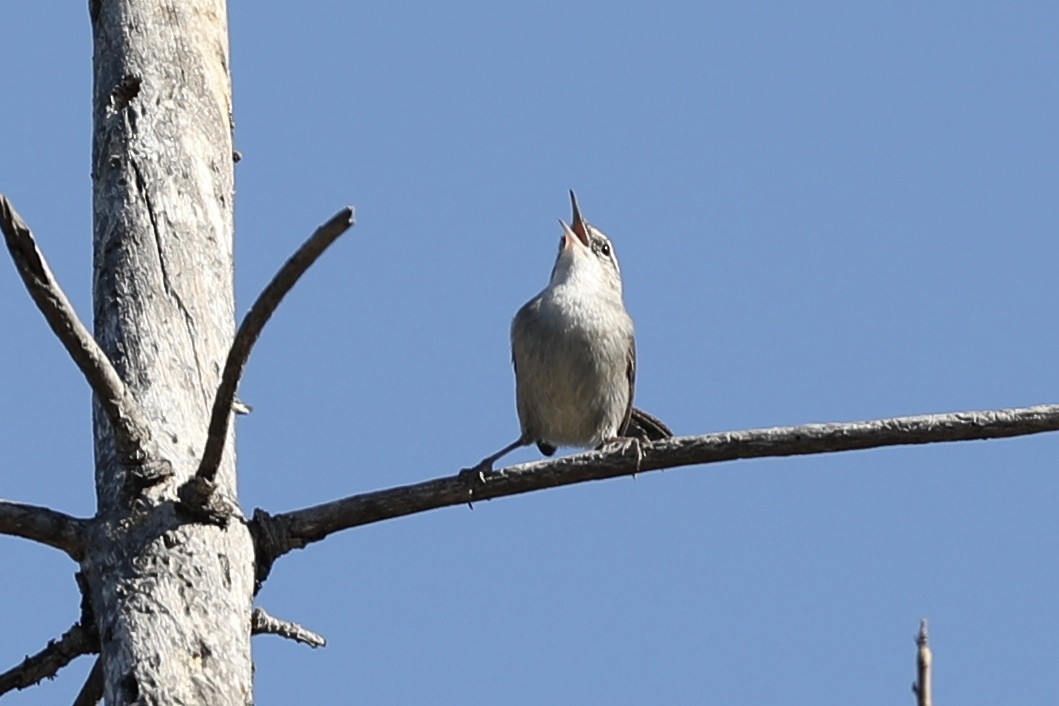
(121, 409)
(924, 663)
(250, 329)
(44, 525)
(276, 535)
(262, 623)
(92, 691)
(74, 642)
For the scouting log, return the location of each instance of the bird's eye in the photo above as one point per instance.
(605, 249)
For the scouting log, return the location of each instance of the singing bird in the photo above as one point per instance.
(574, 351)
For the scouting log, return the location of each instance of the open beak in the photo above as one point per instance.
(570, 236)
(578, 224)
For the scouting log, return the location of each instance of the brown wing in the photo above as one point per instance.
(522, 317)
(638, 423)
(630, 374)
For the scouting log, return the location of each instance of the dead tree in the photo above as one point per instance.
(168, 566)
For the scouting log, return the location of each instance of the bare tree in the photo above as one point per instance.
(168, 566)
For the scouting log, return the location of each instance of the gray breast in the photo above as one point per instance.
(572, 383)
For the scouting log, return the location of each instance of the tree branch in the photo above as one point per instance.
(261, 623)
(247, 335)
(92, 691)
(121, 409)
(924, 662)
(44, 525)
(277, 535)
(75, 642)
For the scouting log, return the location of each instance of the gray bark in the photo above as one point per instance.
(171, 594)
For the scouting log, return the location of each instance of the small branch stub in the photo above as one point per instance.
(264, 624)
(924, 665)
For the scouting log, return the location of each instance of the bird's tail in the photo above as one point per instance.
(642, 425)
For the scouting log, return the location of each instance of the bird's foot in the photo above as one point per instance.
(474, 478)
(476, 475)
(624, 443)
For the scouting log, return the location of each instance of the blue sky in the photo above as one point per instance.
(824, 211)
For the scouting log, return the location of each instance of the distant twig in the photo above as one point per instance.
(74, 642)
(924, 663)
(43, 525)
(130, 429)
(262, 623)
(276, 535)
(247, 335)
(92, 691)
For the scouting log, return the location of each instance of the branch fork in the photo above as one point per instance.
(200, 488)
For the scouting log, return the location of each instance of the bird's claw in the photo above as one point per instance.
(624, 443)
(474, 478)
(476, 475)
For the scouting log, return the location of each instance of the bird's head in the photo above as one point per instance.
(586, 256)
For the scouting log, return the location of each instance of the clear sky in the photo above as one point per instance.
(824, 211)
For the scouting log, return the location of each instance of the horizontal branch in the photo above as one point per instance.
(75, 642)
(278, 534)
(251, 328)
(44, 525)
(262, 623)
(131, 431)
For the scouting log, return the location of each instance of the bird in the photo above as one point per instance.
(573, 348)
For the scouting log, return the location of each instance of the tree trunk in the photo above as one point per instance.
(171, 594)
